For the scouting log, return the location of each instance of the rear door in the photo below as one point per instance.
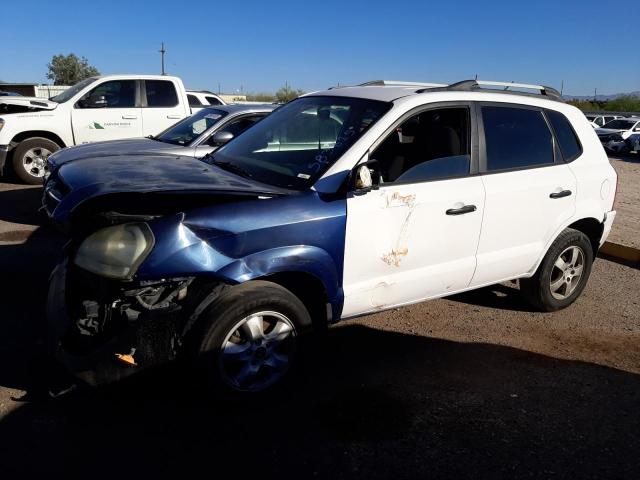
(108, 111)
(161, 106)
(530, 191)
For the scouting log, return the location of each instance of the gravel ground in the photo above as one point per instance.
(475, 385)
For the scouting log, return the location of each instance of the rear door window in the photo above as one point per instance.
(516, 138)
(161, 93)
(193, 101)
(213, 101)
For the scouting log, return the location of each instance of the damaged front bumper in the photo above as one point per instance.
(103, 331)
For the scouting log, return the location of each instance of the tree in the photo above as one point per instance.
(69, 69)
(286, 94)
(261, 97)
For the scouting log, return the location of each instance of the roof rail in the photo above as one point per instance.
(474, 85)
(399, 83)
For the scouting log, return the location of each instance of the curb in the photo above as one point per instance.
(622, 253)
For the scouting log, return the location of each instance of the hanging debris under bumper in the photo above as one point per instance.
(108, 330)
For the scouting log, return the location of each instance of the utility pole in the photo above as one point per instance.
(162, 52)
(595, 94)
(218, 88)
(561, 87)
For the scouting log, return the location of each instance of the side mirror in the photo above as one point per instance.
(220, 138)
(98, 101)
(365, 179)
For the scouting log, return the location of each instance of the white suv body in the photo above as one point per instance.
(506, 237)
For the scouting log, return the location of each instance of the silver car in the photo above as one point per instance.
(194, 136)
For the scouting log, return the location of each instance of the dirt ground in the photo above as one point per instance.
(626, 228)
(476, 385)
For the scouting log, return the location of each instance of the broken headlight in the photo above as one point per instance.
(116, 252)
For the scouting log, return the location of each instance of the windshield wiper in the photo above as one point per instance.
(232, 167)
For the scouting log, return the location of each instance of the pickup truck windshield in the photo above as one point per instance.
(295, 145)
(71, 91)
(187, 130)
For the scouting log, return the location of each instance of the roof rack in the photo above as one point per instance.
(399, 83)
(474, 85)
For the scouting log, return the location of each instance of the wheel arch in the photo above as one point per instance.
(38, 134)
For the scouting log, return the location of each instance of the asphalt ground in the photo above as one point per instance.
(473, 386)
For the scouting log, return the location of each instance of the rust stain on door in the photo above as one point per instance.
(401, 249)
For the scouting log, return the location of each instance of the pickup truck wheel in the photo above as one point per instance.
(30, 159)
(251, 338)
(563, 273)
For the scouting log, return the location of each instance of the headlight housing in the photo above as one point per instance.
(116, 252)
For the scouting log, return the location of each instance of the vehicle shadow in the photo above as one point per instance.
(25, 268)
(501, 296)
(368, 404)
(20, 204)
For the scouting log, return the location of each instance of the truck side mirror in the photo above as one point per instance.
(95, 101)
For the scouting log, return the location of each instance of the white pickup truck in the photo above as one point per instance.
(99, 108)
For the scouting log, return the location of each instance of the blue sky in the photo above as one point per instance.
(313, 45)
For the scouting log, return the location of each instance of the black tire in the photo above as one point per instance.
(24, 173)
(538, 289)
(221, 318)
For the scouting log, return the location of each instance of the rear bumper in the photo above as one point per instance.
(4, 153)
(609, 217)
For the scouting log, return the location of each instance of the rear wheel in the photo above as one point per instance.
(563, 273)
(30, 159)
(250, 338)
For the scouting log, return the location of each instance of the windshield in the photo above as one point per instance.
(297, 143)
(591, 117)
(187, 130)
(620, 124)
(71, 91)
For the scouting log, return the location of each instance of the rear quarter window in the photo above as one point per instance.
(565, 135)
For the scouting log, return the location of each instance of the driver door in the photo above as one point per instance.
(108, 112)
(415, 235)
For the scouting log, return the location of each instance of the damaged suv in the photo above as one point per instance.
(341, 203)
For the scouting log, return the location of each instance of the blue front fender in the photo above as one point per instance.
(247, 240)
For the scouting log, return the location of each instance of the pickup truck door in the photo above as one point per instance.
(161, 106)
(107, 112)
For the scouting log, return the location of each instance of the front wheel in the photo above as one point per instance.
(30, 159)
(563, 273)
(250, 338)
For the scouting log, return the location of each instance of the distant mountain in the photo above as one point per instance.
(601, 98)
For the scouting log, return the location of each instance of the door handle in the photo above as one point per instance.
(563, 193)
(174, 117)
(129, 117)
(461, 210)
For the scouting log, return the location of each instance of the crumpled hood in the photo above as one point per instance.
(93, 177)
(129, 146)
(30, 102)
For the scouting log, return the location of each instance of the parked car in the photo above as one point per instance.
(98, 108)
(598, 121)
(633, 143)
(201, 98)
(340, 203)
(194, 136)
(613, 134)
